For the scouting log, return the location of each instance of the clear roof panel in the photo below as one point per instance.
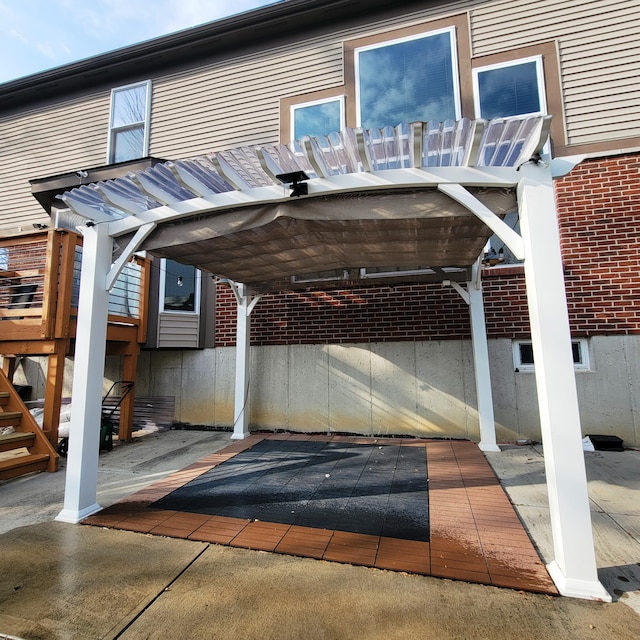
(503, 143)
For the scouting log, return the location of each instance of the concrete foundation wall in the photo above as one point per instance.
(413, 388)
(410, 388)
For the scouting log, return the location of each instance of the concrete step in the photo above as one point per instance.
(16, 440)
(19, 466)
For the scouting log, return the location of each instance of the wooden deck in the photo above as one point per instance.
(39, 288)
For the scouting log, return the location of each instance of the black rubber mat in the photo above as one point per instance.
(359, 488)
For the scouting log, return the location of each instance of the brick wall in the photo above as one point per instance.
(599, 217)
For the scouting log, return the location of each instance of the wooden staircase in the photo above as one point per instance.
(26, 449)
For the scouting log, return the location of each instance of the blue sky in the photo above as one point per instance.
(36, 35)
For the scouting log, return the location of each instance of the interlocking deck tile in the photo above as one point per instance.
(476, 534)
(218, 532)
(144, 521)
(260, 535)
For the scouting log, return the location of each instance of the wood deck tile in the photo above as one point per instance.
(475, 533)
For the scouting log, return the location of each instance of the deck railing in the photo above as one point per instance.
(40, 283)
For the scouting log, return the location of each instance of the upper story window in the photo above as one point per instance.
(129, 122)
(179, 287)
(513, 88)
(407, 80)
(317, 118)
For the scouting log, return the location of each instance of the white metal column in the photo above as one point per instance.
(246, 302)
(80, 495)
(481, 364)
(574, 566)
(473, 297)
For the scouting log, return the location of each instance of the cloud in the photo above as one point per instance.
(83, 29)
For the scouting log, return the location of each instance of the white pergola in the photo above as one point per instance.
(414, 195)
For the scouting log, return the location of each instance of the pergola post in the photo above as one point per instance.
(80, 493)
(473, 297)
(246, 302)
(574, 566)
(481, 364)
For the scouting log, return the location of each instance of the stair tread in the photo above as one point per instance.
(5, 415)
(17, 436)
(22, 461)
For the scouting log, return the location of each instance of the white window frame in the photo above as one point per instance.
(196, 296)
(512, 63)
(379, 45)
(147, 118)
(365, 274)
(585, 365)
(314, 277)
(313, 103)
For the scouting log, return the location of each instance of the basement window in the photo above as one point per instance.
(523, 355)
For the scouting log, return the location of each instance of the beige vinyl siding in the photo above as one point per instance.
(178, 330)
(598, 42)
(44, 142)
(237, 102)
(227, 105)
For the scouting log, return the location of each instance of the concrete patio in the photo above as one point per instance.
(76, 581)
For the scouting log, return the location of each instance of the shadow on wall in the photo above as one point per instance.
(383, 389)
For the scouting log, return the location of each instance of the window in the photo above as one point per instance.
(523, 355)
(510, 89)
(317, 118)
(179, 287)
(129, 122)
(322, 276)
(407, 80)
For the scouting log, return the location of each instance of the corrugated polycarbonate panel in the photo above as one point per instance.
(503, 143)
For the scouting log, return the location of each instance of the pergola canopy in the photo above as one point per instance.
(375, 200)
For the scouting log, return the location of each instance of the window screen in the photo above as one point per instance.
(407, 81)
(510, 90)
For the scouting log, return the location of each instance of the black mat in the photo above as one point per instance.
(369, 489)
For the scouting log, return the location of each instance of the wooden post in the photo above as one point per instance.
(69, 242)
(53, 391)
(129, 367)
(9, 366)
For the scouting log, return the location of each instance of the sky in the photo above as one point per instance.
(36, 35)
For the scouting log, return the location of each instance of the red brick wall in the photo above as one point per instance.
(359, 314)
(599, 217)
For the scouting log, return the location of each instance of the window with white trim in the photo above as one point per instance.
(407, 80)
(523, 355)
(507, 89)
(317, 118)
(179, 287)
(129, 122)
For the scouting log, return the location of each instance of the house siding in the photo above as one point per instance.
(599, 57)
(67, 136)
(178, 331)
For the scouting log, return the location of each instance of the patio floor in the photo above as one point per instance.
(426, 507)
